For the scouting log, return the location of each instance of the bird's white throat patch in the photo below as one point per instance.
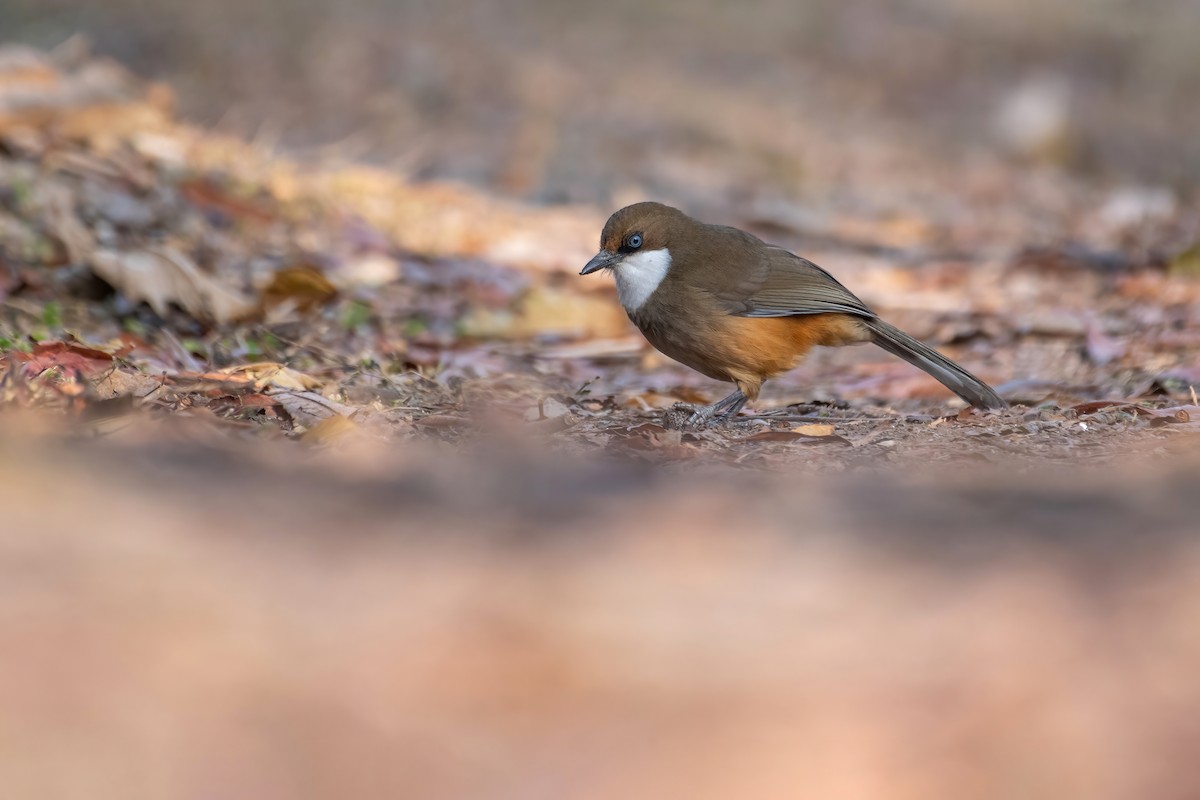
(639, 274)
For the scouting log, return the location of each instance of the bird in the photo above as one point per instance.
(732, 307)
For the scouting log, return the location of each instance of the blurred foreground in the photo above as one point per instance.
(191, 617)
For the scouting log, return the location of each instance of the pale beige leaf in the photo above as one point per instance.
(814, 429)
(268, 374)
(163, 276)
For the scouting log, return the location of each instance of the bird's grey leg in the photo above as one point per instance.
(716, 412)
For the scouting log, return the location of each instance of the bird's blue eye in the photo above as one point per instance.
(634, 242)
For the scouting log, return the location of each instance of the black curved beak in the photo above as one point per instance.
(601, 260)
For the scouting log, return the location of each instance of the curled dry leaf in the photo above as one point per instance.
(268, 374)
(305, 286)
(164, 276)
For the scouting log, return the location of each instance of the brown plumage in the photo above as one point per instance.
(734, 308)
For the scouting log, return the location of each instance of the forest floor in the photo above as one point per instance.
(150, 268)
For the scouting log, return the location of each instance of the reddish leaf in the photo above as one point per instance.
(67, 356)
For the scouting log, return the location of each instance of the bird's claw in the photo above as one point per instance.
(685, 417)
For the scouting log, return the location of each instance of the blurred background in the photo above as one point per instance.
(579, 102)
(322, 474)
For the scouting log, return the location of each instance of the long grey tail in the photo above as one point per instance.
(952, 376)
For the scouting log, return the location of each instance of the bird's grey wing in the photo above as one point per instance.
(782, 284)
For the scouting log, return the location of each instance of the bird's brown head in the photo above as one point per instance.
(635, 246)
(636, 228)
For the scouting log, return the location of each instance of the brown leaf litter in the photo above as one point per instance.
(251, 291)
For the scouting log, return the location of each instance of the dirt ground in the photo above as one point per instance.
(326, 475)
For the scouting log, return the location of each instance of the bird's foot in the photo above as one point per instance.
(686, 417)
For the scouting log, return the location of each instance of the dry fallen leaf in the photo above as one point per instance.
(815, 429)
(165, 276)
(67, 356)
(270, 374)
(305, 286)
(309, 408)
